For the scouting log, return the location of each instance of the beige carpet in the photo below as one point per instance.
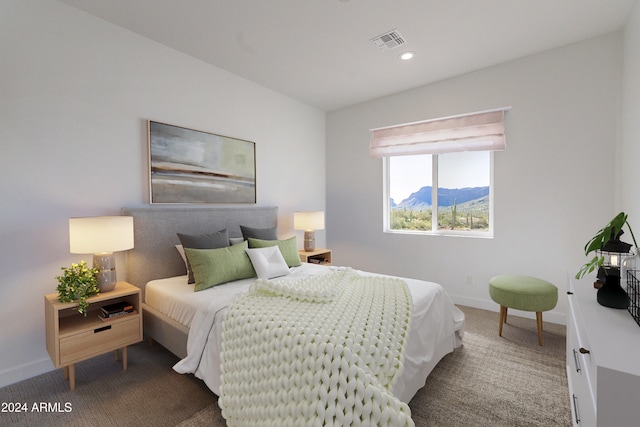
(490, 381)
(148, 393)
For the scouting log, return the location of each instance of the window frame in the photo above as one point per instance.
(434, 226)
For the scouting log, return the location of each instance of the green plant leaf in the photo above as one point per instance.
(602, 236)
(77, 283)
(595, 263)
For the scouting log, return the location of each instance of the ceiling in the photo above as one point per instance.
(320, 51)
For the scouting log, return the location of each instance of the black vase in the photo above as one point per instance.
(611, 293)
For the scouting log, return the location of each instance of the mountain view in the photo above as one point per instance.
(458, 208)
(421, 199)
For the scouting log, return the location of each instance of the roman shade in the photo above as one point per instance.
(469, 132)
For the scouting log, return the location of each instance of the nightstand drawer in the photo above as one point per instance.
(106, 337)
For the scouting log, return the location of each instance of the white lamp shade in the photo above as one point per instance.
(99, 234)
(309, 220)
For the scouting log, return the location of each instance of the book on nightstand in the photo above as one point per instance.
(116, 316)
(116, 309)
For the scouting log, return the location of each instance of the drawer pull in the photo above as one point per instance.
(575, 409)
(569, 293)
(104, 328)
(575, 360)
(584, 350)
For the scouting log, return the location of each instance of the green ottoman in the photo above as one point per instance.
(523, 293)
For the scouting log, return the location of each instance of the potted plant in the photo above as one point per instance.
(76, 284)
(612, 230)
(608, 260)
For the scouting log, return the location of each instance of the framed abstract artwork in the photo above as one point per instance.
(191, 166)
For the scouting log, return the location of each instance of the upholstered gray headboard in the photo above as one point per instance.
(154, 255)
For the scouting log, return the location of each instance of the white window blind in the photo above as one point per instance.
(469, 132)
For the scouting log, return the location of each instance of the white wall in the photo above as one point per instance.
(553, 185)
(75, 94)
(630, 152)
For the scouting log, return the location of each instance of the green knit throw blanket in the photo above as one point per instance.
(316, 351)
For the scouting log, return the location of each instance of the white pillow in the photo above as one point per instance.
(180, 250)
(268, 262)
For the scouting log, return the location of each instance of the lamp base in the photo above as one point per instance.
(613, 296)
(309, 241)
(105, 263)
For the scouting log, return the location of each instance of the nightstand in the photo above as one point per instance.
(72, 337)
(318, 256)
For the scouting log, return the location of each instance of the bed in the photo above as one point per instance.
(171, 309)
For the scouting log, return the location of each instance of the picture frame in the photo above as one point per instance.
(192, 166)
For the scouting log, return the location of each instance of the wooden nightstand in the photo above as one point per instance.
(318, 256)
(72, 337)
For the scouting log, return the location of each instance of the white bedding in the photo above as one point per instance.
(436, 325)
(176, 299)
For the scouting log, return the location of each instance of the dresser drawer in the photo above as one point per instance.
(107, 337)
(580, 392)
(604, 378)
(582, 410)
(579, 352)
(581, 370)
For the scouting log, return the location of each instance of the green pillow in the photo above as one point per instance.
(215, 266)
(288, 248)
(216, 240)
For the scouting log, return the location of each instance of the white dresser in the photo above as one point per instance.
(603, 361)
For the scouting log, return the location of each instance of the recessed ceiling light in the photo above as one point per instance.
(407, 56)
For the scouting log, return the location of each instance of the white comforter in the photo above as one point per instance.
(436, 329)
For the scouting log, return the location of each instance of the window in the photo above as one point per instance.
(438, 173)
(457, 186)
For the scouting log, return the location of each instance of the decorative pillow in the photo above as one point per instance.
(216, 240)
(180, 250)
(235, 240)
(212, 267)
(288, 248)
(268, 262)
(259, 233)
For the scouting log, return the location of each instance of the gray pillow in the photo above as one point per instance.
(219, 239)
(259, 233)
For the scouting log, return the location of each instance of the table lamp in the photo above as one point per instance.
(101, 236)
(309, 221)
(610, 293)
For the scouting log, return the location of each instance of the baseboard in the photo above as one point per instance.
(26, 371)
(552, 316)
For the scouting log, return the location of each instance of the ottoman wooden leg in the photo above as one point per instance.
(539, 321)
(503, 318)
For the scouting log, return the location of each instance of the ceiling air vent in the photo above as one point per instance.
(389, 40)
